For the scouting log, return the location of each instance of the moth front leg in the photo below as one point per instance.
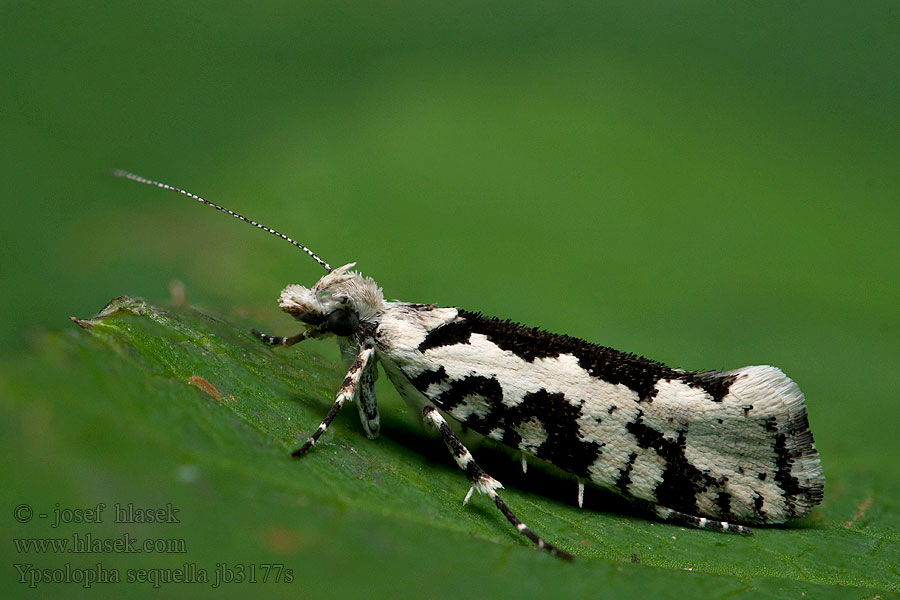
(273, 340)
(348, 390)
(483, 482)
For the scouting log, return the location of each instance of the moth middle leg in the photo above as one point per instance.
(367, 403)
(482, 482)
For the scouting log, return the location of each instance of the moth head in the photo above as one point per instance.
(339, 302)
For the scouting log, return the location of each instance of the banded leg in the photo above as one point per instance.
(483, 482)
(345, 394)
(668, 514)
(281, 341)
(367, 402)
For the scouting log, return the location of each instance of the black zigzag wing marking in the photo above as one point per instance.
(457, 331)
(794, 444)
(557, 441)
(426, 378)
(563, 446)
(624, 478)
(714, 383)
(681, 481)
(463, 390)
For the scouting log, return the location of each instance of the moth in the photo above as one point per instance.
(708, 449)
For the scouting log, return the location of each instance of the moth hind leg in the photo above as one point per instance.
(482, 482)
(668, 514)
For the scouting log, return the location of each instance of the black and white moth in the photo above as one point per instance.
(708, 449)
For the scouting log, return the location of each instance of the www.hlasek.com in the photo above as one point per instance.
(86, 543)
(222, 574)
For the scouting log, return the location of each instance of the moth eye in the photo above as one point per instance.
(342, 322)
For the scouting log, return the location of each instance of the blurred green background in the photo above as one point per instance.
(708, 184)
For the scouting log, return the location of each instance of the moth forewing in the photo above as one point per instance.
(708, 449)
(731, 446)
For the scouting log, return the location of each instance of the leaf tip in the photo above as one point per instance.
(83, 323)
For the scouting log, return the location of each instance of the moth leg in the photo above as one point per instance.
(668, 514)
(483, 482)
(348, 390)
(367, 402)
(273, 340)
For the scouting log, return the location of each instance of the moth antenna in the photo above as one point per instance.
(166, 186)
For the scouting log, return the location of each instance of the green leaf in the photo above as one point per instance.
(174, 406)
